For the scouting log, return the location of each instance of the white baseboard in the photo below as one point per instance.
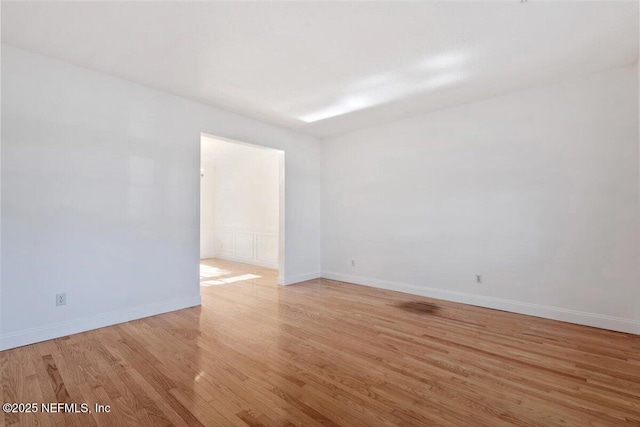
(282, 280)
(297, 278)
(207, 255)
(273, 265)
(31, 336)
(565, 315)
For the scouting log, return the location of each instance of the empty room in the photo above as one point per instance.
(319, 213)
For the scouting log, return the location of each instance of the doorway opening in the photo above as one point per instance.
(241, 210)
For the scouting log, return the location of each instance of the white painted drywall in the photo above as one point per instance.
(537, 191)
(239, 202)
(100, 197)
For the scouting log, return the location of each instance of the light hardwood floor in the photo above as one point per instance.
(329, 353)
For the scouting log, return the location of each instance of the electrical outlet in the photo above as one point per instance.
(478, 279)
(61, 299)
(353, 263)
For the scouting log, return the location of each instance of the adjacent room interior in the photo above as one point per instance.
(240, 191)
(320, 213)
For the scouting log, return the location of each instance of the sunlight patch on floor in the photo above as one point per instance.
(207, 271)
(227, 280)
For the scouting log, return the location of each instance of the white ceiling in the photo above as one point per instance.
(329, 68)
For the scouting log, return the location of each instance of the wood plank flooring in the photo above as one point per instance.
(328, 353)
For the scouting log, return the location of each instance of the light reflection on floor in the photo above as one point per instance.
(207, 272)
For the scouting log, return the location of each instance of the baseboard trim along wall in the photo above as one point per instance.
(572, 316)
(31, 336)
(297, 278)
(242, 260)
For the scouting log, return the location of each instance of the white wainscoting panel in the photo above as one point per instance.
(207, 244)
(224, 242)
(244, 245)
(267, 248)
(258, 247)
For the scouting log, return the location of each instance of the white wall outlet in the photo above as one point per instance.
(61, 299)
(353, 263)
(478, 279)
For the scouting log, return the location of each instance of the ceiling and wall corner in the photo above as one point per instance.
(327, 68)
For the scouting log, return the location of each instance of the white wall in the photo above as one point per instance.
(239, 202)
(537, 191)
(100, 197)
